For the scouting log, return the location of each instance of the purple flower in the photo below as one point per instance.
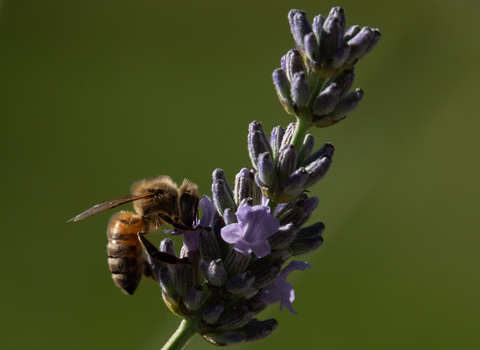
(255, 225)
(280, 290)
(190, 238)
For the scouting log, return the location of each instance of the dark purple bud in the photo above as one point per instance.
(361, 44)
(209, 246)
(224, 338)
(258, 142)
(282, 85)
(276, 140)
(221, 197)
(229, 217)
(194, 298)
(317, 26)
(265, 272)
(240, 283)
(311, 47)
(167, 246)
(256, 330)
(236, 263)
(340, 56)
(216, 273)
(306, 245)
(300, 90)
(306, 149)
(345, 81)
(245, 187)
(286, 162)
(266, 170)
(326, 150)
(347, 105)
(326, 101)
(283, 62)
(246, 202)
(212, 312)
(183, 279)
(280, 256)
(294, 63)
(333, 30)
(350, 33)
(166, 281)
(219, 174)
(310, 231)
(233, 319)
(299, 26)
(287, 138)
(294, 185)
(317, 170)
(285, 235)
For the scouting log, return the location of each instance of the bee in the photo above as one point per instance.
(156, 201)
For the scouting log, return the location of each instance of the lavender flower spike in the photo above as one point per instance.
(280, 290)
(250, 234)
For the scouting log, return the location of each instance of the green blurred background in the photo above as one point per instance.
(95, 95)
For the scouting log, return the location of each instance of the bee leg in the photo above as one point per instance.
(155, 254)
(181, 227)
(147, 271)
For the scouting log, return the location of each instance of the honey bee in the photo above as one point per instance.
(156, 201)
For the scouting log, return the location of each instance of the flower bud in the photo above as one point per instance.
(326, 150)
(258, 142)
(326, 101)
(216, 273)
(276, 141)
(224, 338)
(245, 187)
(300, 91)
(240, 283)
(306, 148)
(294, 185)
(221, 197)
(233, 319)
(183, 279)
(299, 26)
(285, 235)
(229, 217)
(256, 330)
(294, 63)
(266, 170)
(317, 170)
(313, 230)
(311, 47)
(213, 312)
(286, 162)
(306, 245)
(265, 272)
(347, 105)
(194, 298)
(317, 26)
(209, 247)
(236, 263)
(361, 44)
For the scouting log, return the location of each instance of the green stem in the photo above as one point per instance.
(182, 335)
(272, 206)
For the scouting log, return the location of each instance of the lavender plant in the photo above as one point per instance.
(237, 252)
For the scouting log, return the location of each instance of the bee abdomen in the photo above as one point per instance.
(124, 251)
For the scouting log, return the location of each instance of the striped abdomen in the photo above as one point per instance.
(124, 250)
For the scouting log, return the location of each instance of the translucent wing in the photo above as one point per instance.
(108, 205)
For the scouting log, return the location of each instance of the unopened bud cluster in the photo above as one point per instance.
(282, 173)
(314, 80)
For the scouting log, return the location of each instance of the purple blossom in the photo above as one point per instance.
(190, 238)
(255, 225)
(280, 290)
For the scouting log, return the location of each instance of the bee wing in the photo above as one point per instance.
(108, 205)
